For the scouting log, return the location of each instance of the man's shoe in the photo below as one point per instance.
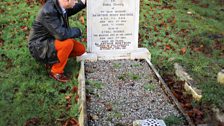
(59, 77)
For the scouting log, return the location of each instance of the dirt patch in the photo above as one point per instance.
(199, 113)
(198, 44)
(1, 42)
(185, 100)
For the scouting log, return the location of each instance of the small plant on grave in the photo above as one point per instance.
(113, 113)
(134, 76)
(90, 91)
(116, 115)
(173, 120)
(149, 87)
(96, 84)
(122, 77)
(129, 75)
(116, 65)
(136, 65)
(120, 124)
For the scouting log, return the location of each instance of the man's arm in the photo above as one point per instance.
(78, 7)
(83, 1)
(53, 24)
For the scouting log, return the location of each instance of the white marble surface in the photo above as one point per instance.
(112, 30)
(139, 53)
(112, 26)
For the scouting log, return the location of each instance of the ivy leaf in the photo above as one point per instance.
(76, 98)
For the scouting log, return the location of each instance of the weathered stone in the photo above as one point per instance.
(203, 125)
(194, 92)
(219, 117)
(180, 72)
(220, 77)
(87, 57)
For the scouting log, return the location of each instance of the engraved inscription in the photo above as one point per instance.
(113, 25)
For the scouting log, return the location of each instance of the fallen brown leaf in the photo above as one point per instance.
(155, 29)
(33, 121)
(68, 97)
(71, 122)
(84, 40)
(74, 89)
(108, 107)
(183, 51)
(197, 112)
(167, 47)
(76, 98)
(82, 20)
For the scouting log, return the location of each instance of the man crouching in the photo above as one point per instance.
(51, 39)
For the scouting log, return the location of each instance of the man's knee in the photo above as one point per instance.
(68, 44)
(81, 50)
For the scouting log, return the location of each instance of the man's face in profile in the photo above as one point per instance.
(69, 3)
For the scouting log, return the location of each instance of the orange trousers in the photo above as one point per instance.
(65, 49)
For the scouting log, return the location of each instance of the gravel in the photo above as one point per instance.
(122, 91)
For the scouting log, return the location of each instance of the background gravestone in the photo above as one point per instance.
(112, 30)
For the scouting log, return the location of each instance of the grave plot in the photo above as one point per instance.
(114, 88)
(121, 91)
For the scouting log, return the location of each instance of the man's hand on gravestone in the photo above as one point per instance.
(83, 1)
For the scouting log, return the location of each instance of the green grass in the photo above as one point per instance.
(167, 30)
(122, 77)
(149, 87)
(173, 120)
(26, 91)
(95, 84)
(129, 76)
(133, 76)
(117, 65)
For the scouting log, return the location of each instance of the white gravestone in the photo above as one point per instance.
(112, 30)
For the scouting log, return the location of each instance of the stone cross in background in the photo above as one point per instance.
(112, 30)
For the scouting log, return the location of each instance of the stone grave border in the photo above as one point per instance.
(82, 94)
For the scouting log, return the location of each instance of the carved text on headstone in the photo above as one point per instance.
(113, 25)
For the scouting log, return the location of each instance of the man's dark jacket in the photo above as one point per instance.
(50, 24)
